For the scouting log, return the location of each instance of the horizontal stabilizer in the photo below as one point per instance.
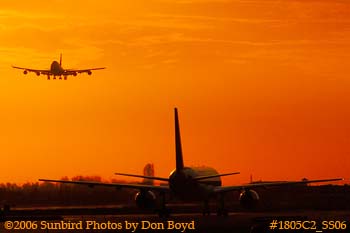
(213, 176)
(146, 177)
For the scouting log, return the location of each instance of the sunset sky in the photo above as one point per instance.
(262, 87)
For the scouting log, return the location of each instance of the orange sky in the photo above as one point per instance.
(262, 87)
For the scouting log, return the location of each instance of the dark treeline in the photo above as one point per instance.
(51, 194)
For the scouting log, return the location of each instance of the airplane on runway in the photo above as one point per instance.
(189, 184)
(56, 69)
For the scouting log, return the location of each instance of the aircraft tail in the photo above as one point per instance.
(61, 59)
(179, 158)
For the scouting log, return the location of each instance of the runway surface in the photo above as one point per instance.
(313, 221)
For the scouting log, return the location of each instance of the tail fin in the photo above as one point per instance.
(179, 159)
(61, 59)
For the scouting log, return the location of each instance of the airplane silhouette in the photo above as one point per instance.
(190, 184)
(56, 69)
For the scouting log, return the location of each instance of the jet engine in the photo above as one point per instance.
(75, 74)
(89, 72)
(145, 199)
(38, 73)
(25, 72)
(249, 199)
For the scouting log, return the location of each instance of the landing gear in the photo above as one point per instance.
(54, 77)
(206, 210)
(221, 206)
(48, 77)
(163, 212)
(65, 77)
(60, 77)
(222, 212)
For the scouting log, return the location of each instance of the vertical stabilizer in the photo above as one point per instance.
(179, 159)
(61, 59)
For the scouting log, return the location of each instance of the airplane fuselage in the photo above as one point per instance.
(56, 69)
(185, 187)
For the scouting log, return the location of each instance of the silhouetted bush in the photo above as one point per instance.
(49, 194)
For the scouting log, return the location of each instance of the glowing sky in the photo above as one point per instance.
(262, 87)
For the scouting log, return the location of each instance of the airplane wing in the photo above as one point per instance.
(33, 70)
(222, 189)
(167, 179)
(78, 71)
(116, 185)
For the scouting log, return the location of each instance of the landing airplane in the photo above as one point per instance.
(190, 184)
(56, 69)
